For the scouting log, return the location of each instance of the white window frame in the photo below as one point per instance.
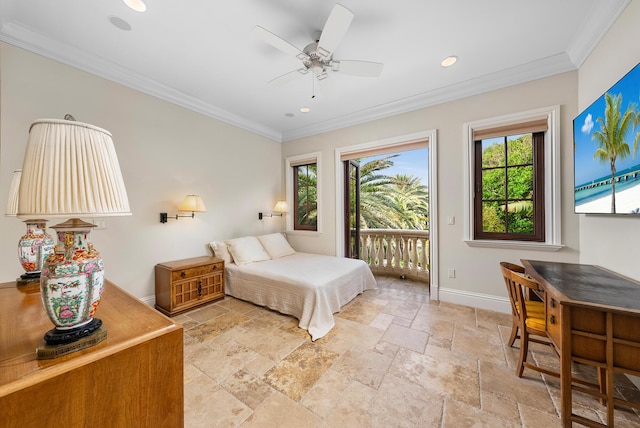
(552, 182)
(314, 157)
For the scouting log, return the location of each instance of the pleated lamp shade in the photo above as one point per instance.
(71, 170)
(12, 203)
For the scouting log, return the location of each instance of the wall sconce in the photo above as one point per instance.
(279, 210)
(191, 203)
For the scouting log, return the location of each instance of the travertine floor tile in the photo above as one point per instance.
(365, 366)
(279, 411)
(462, 415)
(406, 338)
(208, 405)
(247, 388)
(440, 376)
(394, 359)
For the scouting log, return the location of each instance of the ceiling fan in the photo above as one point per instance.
(317, 57)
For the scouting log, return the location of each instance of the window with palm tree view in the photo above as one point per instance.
(387, 211)
(305, 195)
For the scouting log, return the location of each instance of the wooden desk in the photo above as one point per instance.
(133, 378)
(593, 317)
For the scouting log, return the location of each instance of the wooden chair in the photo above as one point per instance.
(529, 317)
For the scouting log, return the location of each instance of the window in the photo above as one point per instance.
(512, 181)
(509, 187)
(305, 197)
(303, 192)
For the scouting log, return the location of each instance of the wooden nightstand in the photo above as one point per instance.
(182, 285)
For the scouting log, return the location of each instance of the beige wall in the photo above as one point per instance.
(165, 152)
(478, 279)
(609, 241)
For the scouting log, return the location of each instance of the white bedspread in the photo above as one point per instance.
(310, 287)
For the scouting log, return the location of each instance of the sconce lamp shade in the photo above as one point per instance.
(193, 203)
(12, 203)
(70, 169)
(281, 207)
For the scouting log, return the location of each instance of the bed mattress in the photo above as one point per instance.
(311, 287)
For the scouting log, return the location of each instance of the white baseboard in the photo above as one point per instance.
(476, 300)
(149, 300)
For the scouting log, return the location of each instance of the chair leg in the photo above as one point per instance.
(514, 334)
(602, 384)
(524, 349)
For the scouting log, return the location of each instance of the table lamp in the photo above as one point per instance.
(36, 244)
(71, 170)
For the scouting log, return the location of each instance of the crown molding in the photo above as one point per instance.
(600, 19)
(539, 69)
(32, 41)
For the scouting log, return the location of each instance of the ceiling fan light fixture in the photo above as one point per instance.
(303, 70)
(449, 61)
(137, 5)
(323, 53)
(335, 65)
(322, 75)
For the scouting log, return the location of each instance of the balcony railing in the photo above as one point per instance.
(396, 252)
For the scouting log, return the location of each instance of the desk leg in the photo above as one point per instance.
(565, 366)
(609, 369)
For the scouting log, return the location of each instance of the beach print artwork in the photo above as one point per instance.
(606, 139)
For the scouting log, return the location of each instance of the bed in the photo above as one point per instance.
(266, 271)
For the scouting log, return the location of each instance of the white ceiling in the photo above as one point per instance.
(203, 55)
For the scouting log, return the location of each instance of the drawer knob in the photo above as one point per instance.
(552, 319)
(199, 288)
(552, 303)
(182, 274)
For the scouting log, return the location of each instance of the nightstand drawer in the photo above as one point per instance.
(181, 274)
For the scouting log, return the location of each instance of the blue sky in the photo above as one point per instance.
(412, 162)
(586, 167)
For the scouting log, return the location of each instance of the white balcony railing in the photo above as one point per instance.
(396, 252)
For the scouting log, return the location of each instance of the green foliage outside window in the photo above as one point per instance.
(306, 196)
(508, 185)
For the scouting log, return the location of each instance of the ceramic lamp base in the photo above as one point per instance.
(57, 336)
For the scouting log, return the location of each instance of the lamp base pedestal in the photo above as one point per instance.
(57, 336)
(28, 278)
(46, 351)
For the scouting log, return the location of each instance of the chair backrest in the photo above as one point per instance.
(514, 290)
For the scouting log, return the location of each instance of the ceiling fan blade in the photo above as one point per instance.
(289, 77)
(334, 30)
(358, 68)
(279, 43)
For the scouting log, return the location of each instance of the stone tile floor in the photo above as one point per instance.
(394, 359)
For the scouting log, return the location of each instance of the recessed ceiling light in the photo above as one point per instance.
(305, 109)
(449, 61)
(137, 5)
(119, 22)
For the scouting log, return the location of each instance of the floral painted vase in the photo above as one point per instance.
(72, 280)
(35, 246)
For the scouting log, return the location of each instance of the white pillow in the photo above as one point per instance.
(220, 250)
(246, 250)
(276, 245)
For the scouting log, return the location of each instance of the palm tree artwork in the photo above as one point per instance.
(611, 136)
